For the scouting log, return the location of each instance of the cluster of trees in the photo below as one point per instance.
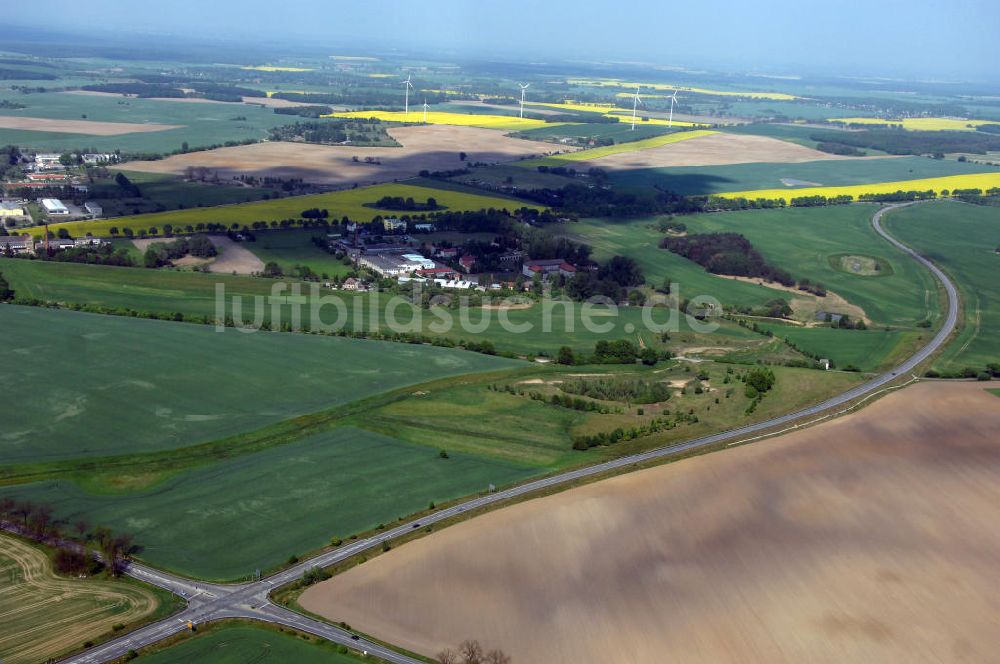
(726, 253)
(326, 133)
(75, 544)
(159, 254)
(623, 351)
(104, 254)
(627, 390)
(611, 280)
(902, 142)
(315, 213)
(989, 372)
(6, 292)
(542, 246)
(840, 149)
(600, 202)
(471, 652)
(332, 131)
(305, 111)
(657, 424)
(409, 204)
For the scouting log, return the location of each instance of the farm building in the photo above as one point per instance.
(55, 244)
(11, 209)
(467, 262)
(89, 241)
(438, 273)
(54, 206)
(98, 158)
(352, 284)
(393, 224)
(446, 252)
(548, 267)
(47, 160)
(93, 209)
(17, 244)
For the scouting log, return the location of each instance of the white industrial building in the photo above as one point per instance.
(54, 206)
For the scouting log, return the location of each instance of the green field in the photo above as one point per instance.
(350, 203)
(83, 385)
(193, 294)
(202, 124)
(295, 247)
(226, 519)
(801, 240)
(867, 350)
(962, 239)
(247, 644)
(690, 180)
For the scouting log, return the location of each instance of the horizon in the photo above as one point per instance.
(736, 40)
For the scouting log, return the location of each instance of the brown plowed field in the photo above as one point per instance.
(716, 150)
(870, 538)
(91, 127)
(431, 147)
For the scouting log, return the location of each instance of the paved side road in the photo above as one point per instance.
(208, 601)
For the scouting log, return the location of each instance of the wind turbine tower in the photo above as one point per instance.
(673, 100)
(523, 88)
(425, 110)
(635, 105)
(407, 85)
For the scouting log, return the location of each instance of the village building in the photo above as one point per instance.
(546, 268)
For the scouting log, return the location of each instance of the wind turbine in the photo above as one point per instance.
(407, 85)
(635, 105)
(523, 88)
(425, 110)
(673, 100)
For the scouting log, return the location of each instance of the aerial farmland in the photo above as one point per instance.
(489, 335)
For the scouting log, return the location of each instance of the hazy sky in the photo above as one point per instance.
(916, 38)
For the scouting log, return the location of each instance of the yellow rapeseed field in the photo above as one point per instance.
(618, 83)
(353, 203)
(984, 181)
(617, 148)
(503, 122)
(920, 124)
(271, 68)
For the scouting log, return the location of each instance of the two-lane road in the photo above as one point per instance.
(208, 602)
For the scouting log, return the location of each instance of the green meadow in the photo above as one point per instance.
(193, 294)
(242, 644)
(801, 240)
(201, 123)
(691, 180)
(277, 502)
(963, 240)
(84, 385)
(295, 247)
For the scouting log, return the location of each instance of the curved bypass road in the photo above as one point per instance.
(214, 601)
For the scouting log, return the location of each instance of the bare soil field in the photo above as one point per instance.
(232, 257)
(42, 615)
(870, 538)
(716, 150)
(431, 147)
(91, 127)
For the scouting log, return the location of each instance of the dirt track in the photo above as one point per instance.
(717, 149)
(91, 127)
(433, 147)
(869, 538)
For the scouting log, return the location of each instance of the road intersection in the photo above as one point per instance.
(209, 602)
